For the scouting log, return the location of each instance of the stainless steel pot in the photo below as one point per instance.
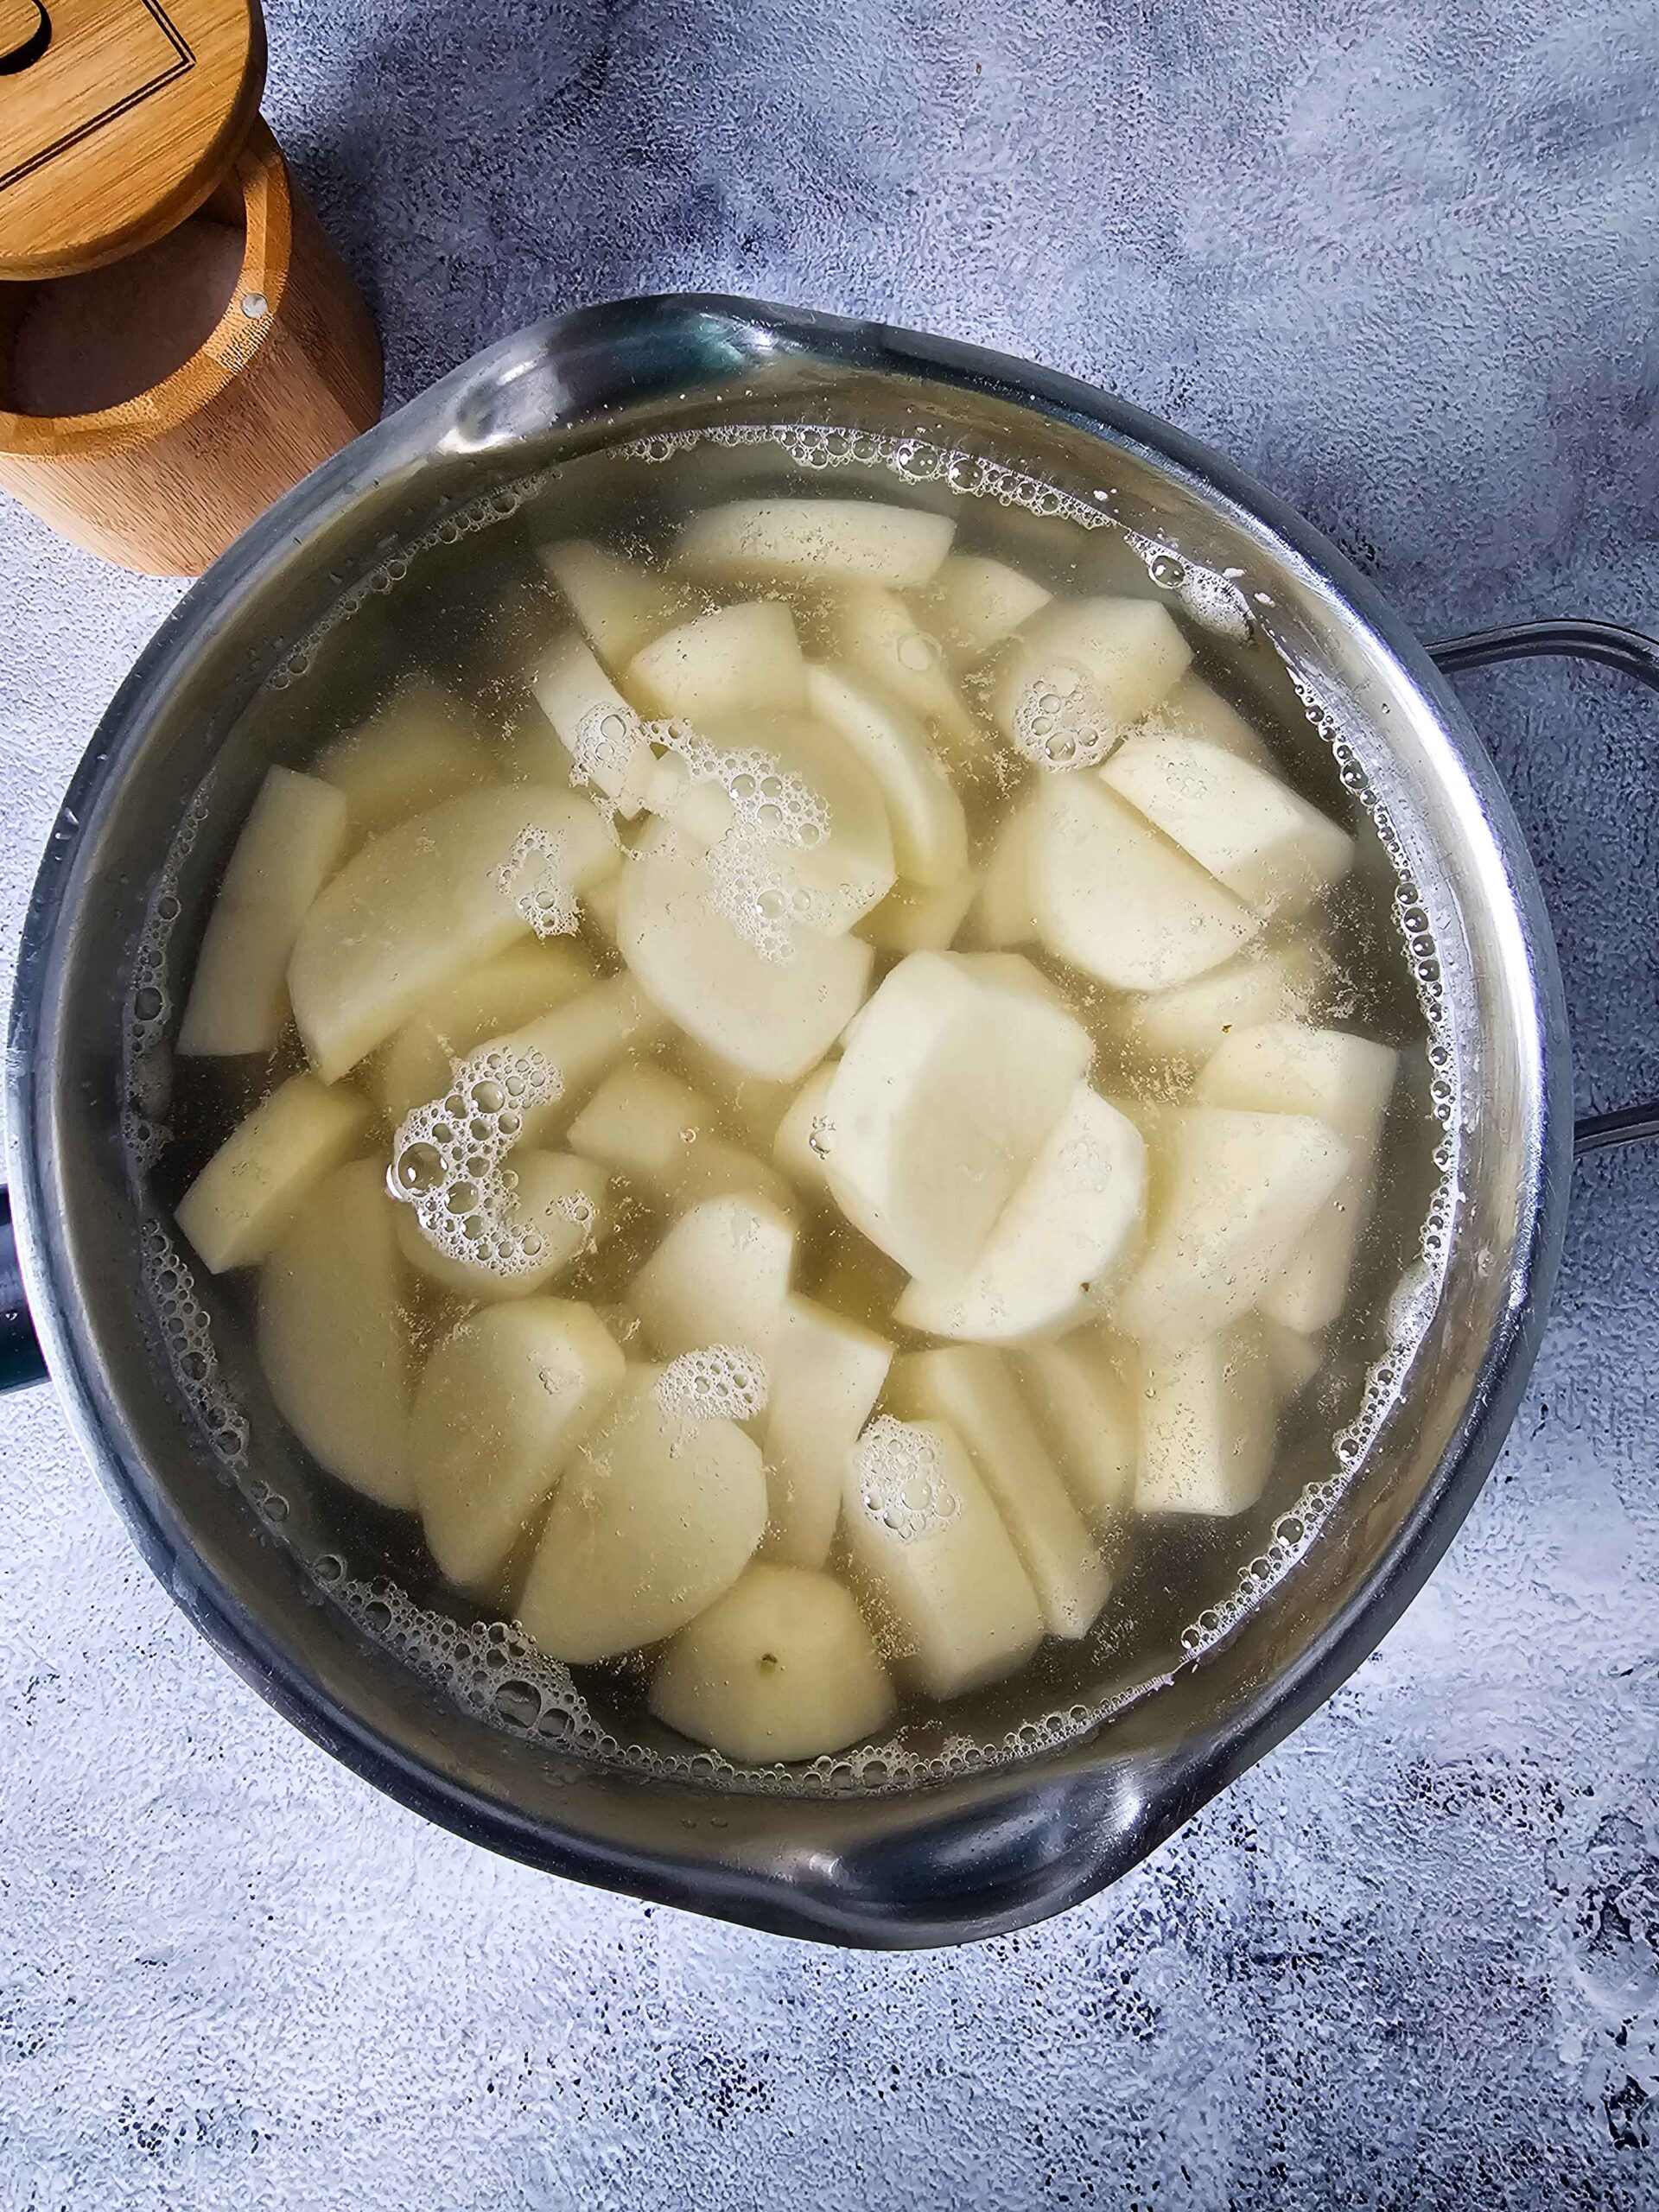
(979, 1853)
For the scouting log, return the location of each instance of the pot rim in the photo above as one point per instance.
(448, 416)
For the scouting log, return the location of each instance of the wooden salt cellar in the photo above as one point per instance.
(118, 120)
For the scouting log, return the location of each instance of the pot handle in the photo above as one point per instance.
(1614, 647)
(20, 1361)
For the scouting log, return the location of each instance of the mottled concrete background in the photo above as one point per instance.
(1401, 262)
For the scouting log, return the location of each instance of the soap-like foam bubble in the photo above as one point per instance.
(542, 895)
(901, 1478)
(714, 1382)
(447, 1159)
(1061, 721)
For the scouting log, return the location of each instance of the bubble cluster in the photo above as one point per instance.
(447, 1159)
(541, 896)
(1061, 723)
(901, 1479)
(188, 1343)
(607, 741)
(714, 1383)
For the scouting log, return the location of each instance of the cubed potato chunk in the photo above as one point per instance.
(940, 1568)
(1281, 982)
(1238, 821)
(506, 1398)
(930, 832)
(1343, 1081)
(781, 1668)
(736, 659)
(583, 1040)
(831, 541)
(800, 1133)
(1005, 912)
(333, 1334)
(1293, 1359)
(655, 1131)
(499, 995)
(294, 839)
(912, 919)
(1195, 709)
(873, 632)
(1208, 1416)
(422, 748)
(237, 1207)
(620, 607)
(973, 604)
(1076, 1392)
(827, 1374)
(652, 1520)
(560, 1199)
(600, 737)
(774, 1019)
(1239, 1190)
(1116, 899)
(1070, 1228)
(949, 1087)
(720, 1276)
(1083, 669)
(422, 903)
(972, 1390)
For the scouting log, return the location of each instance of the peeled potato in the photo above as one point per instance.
(1269, 984)
(872, 632)
(234, 1210)
(506, 1398)
(620, 607)
(725, 662)
(949, 1086)
(292, 842)
(421, 747)
(755, 1104)
(648, 1126)
(1238, 821)
(1005, 911)
(424, 902)
(831, 540)
(928, 1545)
(1239, 1190)
(793, 1146)
(781, 1668)
(973, 604)
(768, 1018)
(1072, 1222)
(972, 1389)
(599, 733)
(720, 1276)
(930, 832)
(1293, 1359)
(1087, 1417)
(654, 1517)
(1109, 661)
(1114, 898)
(332, 1338)
(914, 919)
(827, 1373)
(559, 1198)
(1208, 1415)
(1195, 708)
(498, 995)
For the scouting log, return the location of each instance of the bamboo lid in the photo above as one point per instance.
(118, 117)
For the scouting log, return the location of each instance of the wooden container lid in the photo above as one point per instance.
(118, 117)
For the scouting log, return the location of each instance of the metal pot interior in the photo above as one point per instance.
(1063, 1783)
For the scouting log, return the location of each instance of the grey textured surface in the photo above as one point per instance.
(1403, 264)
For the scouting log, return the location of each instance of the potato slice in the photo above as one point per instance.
(583, 1038)
(292, 842)
(422, 748)
(235, 1209)
(827, 1374)
(1195, 709)
(600, 738)
(1105, 663)
(1208, 1418)
(1239, 1192)
(654, 1517)
(333, 1338)
(912, 919)
(1112, 898)
(930, 832)
(949, 1084)
(1087, 1418)
(781, 1668)
(425, 901)
(1280, 982)
(618, 606)
(816, 540)
(930, 1548)
(794, 1147)
(1345, 1081)
(1239, 821)
(973, 604)
(1070, 1227)
(500, 994)
(563, 1198)
(1005, 912)
(774, 1019)
(875, 633)
(973, 1391)
(720, 1276)
(507, 1397)
(727, 663)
